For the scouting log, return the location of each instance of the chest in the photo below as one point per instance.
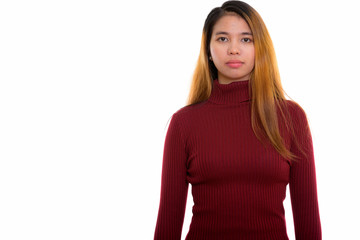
(225, 149)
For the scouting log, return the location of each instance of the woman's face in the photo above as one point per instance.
(232, 49)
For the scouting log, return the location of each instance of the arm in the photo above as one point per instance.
(174, 186)
(303, 189)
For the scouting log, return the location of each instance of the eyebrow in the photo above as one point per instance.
(226, 33)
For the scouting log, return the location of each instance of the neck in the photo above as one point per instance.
(222, 81)
(231, 93)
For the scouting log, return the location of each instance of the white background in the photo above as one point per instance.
(88, 87)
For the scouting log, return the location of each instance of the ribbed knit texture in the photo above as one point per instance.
(238, 182)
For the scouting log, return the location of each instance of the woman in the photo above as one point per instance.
(239, 142)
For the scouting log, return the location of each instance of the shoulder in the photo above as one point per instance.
(298, 116)
(189, 111)
(186, 117)
(295, 110)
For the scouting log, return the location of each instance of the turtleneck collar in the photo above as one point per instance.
(232, 93)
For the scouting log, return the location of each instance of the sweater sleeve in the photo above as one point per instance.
(174, 186)
(302, 186)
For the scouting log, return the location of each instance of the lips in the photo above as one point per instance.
(234, 63)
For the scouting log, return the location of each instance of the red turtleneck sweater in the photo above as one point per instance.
(238, 183)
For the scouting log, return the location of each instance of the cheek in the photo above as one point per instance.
(216, 51)
(251, 55)
(212, 51)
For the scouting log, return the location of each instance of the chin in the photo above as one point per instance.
(239, 78)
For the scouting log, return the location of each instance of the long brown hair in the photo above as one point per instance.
(266, 91)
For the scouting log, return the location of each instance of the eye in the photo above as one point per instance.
(247, 40)
(222, 39)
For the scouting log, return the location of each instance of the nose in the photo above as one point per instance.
(233, 50)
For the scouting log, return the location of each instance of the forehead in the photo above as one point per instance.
(231, 23)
